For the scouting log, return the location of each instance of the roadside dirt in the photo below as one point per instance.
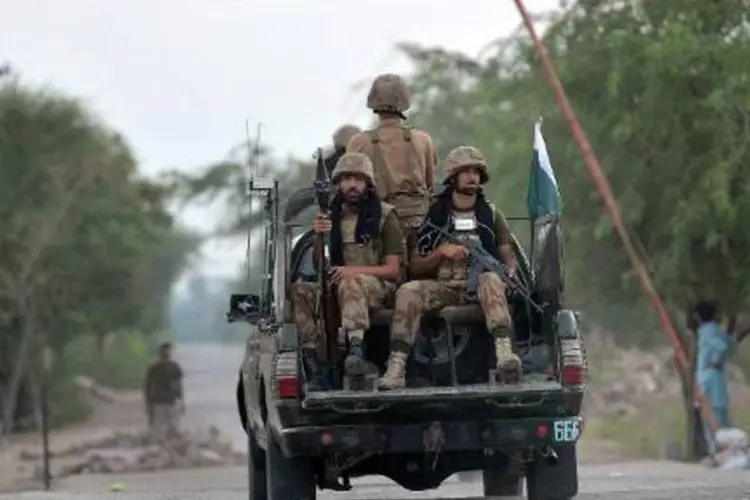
(125, 412)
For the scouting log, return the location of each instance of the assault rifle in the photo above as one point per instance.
(328, 310)
(482, 261)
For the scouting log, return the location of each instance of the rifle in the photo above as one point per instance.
(482, 261)
(328, 308)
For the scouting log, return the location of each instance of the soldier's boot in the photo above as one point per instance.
(315, 379)
(357, 370)
(509, 367)
(395, 372)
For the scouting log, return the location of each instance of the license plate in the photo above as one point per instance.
(567, 430)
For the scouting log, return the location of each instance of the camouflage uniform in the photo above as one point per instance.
(403, 158)
(162, 392)
(359, 294)
(416, 298)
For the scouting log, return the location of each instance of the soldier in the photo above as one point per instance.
(162, 391)
(341, 137)
(403, 158)
(366, 248)
(462, 209)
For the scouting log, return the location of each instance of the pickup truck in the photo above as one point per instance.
(449, 419)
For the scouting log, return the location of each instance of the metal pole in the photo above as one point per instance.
(597, 175)
(44, 391)
(45, 434)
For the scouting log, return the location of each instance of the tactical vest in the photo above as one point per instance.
(366, 254)
(456, 273)
(410, 207)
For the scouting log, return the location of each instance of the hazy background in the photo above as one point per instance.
(179, 78)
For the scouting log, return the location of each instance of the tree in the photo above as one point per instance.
(658, 88)
(671, 137)
(82, 234)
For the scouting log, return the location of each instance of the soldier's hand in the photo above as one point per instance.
(336, 274)
(453, 252)
(511, 270)
(322, 224)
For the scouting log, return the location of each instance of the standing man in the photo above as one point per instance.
(366, 248)
(403, 158)
(162, 393)
(443, 269)
(714, 348)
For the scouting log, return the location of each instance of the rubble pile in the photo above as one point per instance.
(133, 451)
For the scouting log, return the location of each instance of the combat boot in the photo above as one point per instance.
(354, 364)
(395, 373)
(315, 379)
(509, 367)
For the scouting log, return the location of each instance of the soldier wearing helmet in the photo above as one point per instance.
(443, 268)
(403, 158)
(366, 247)
(341, 137)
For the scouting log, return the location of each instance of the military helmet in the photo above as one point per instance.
(354, 163)
(464, 157)
(342, 135)
(389, 93)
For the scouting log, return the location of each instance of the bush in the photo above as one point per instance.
(124, 363)
(126, 360)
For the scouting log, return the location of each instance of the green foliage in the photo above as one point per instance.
(658, 87)
(88, 247)
(125, 359)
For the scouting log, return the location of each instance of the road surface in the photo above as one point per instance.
(209, 390)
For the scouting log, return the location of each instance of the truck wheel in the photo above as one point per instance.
(287, 478)
(545, 481)
(497, 483)
(241, 408)
(256, 469)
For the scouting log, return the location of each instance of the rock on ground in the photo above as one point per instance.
(125, 451)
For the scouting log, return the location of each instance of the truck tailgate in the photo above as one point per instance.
(523, 394)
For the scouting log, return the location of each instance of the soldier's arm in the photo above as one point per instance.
(430, 162)
(423, 266)
(392, 250)
(502, 235)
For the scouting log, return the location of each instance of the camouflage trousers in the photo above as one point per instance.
(416, 298)
(356, 296)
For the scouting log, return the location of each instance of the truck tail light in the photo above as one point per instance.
(286, 375)
(574, 367)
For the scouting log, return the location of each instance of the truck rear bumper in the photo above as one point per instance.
(421, 437)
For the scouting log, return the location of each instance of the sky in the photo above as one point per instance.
(179, 78)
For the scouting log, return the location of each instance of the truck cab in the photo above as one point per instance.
(451, 417)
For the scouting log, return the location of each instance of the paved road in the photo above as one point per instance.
(210, 378)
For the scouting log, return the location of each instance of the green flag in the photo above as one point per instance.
(543, 198)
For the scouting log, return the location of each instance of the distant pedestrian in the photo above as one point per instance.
(714, 348)
(163, 396)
